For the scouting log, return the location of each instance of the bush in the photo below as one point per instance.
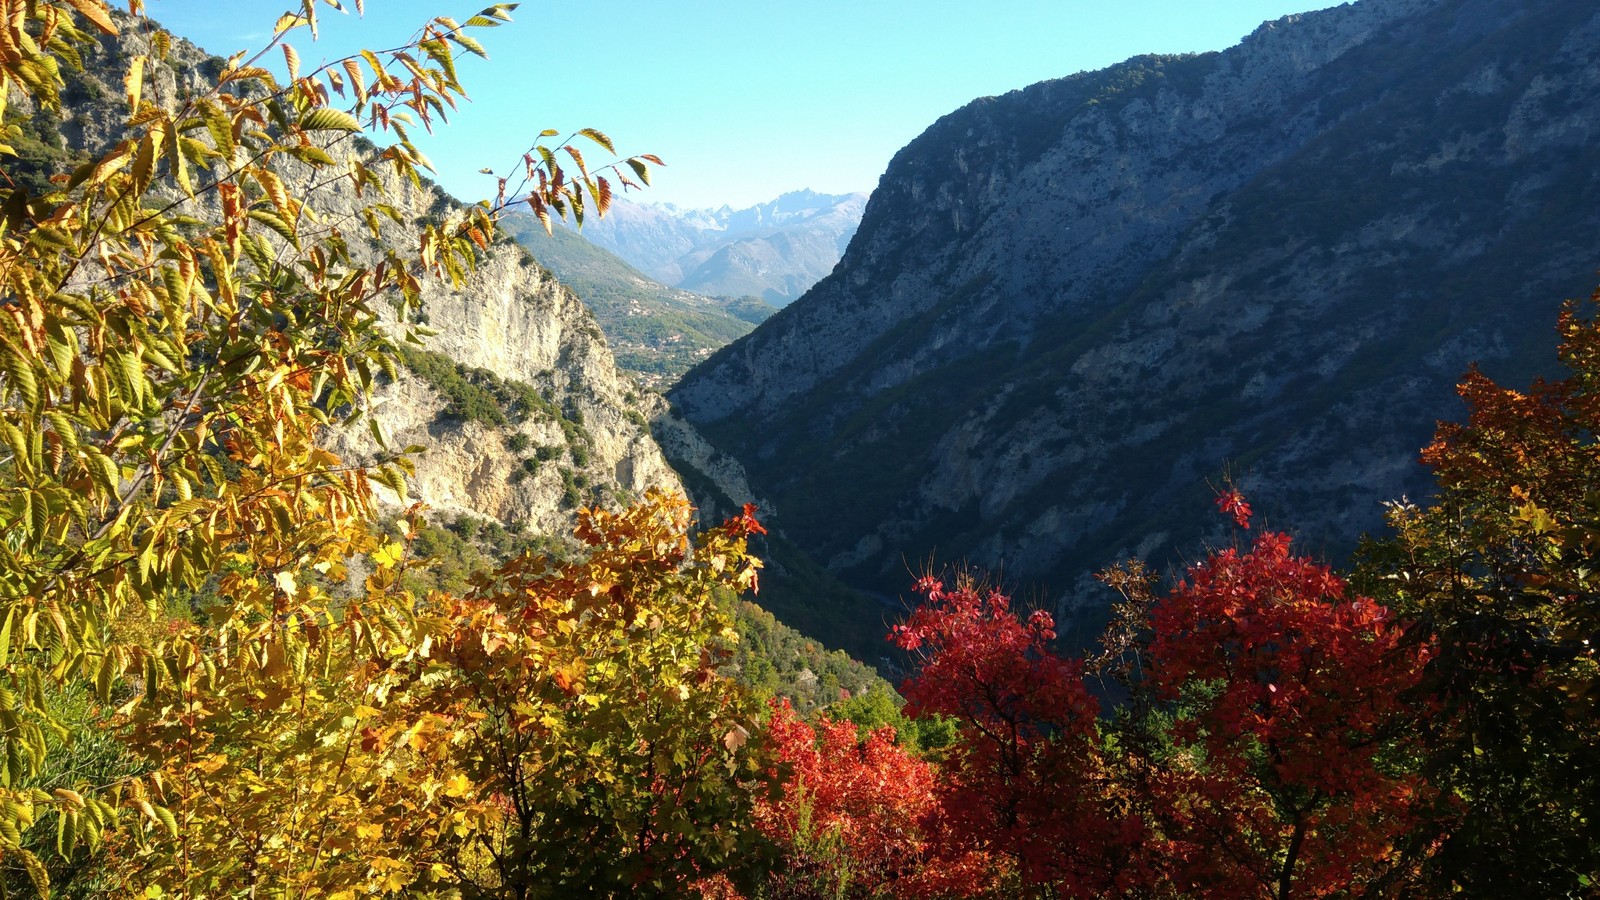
(571, 492)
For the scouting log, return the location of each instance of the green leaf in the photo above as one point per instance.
(259, 252)
(220, 128)
(310, 154)
(327, 118)
(179, 165)
(132, 371)
(167, 819)
(36, 871)
(66, 831)
(22, 379)
(177, 287)
(599, 137)
(63, 426)
(103, 470)
(61, 349)
(278, 225)
(439, 52)
(104, 676)
(5, 635)
(38, 516)
(470, 45)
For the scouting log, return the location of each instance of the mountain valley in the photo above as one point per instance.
(361, 542)
(1073, 312)
(774, 251)
(656, 332)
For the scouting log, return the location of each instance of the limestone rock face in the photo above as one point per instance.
(511, 319)
(1071, 308)
(515, 321)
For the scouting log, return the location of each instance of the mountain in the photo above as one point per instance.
(657, 332)
(774, 250)
(1071, 311)
(517, 397)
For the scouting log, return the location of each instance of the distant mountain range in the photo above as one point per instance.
(1071, 311)
(774, 250)
(657, 332)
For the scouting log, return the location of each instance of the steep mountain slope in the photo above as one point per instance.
(774, 250)
(657, 332)
(1070, 308)
(567, 427)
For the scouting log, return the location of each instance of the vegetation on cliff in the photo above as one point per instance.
(657, 332)
(222, 675)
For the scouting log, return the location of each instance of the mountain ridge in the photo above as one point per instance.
(773, 250)
(1069, 308)
(657, 332)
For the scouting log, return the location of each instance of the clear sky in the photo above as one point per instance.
(743, 99)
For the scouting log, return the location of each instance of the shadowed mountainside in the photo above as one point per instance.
(1071, 310)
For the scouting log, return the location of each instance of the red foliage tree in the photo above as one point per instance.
(848, 819)
(1287, 771)
(1026, 802)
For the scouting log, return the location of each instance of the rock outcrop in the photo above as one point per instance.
(514, 321)
(1070, 309)
(585, 439)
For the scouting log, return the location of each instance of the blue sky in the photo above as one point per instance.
(743, 99)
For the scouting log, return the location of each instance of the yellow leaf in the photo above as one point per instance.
(72, 797)
(329, 119)
(386, 556)
(97, 14)
(134, 82)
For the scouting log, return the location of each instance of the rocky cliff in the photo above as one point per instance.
(657, 332)
(1070, 309)
(572, 429)
(565, 428)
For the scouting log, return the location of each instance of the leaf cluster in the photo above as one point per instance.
(181, 316)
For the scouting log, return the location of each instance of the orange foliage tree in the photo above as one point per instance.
(1499, 570)
(606, 751)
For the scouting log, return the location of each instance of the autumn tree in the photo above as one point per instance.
(1274, 757)
(1025, 799)
(848, 819)
(179, 323)
(610, 754)
(1498, 569)
(1266, 748)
